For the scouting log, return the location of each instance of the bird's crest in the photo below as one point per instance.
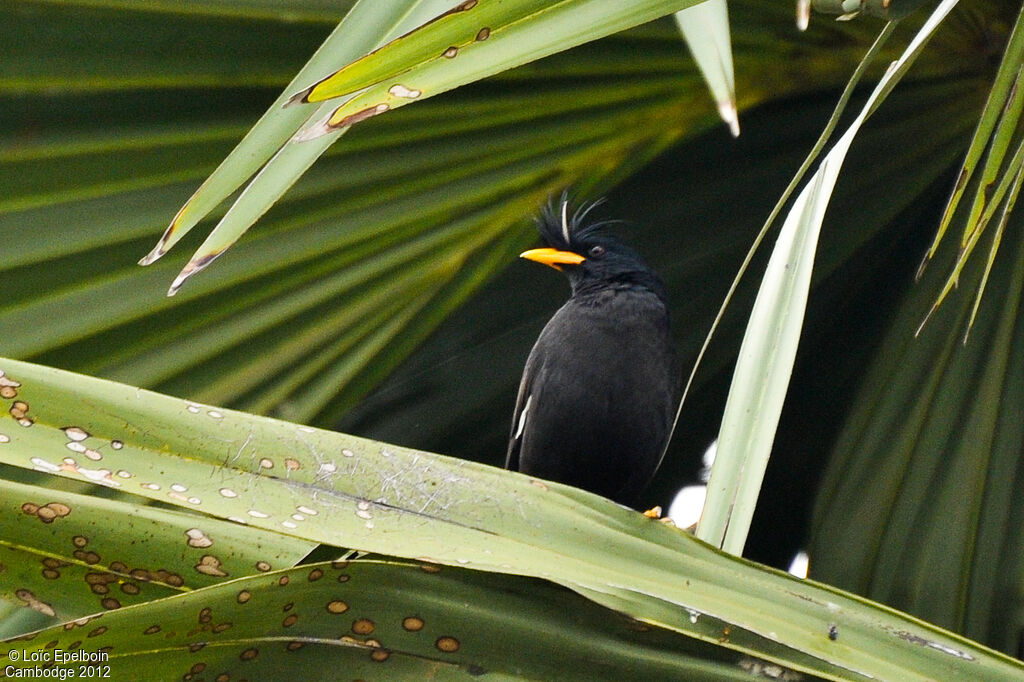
(562, 227)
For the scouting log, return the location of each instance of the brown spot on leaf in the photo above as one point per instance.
(412, 623)
(448, 645)
(97, 578)
(210, 565)
(243, 596)
(8, 382)
(96, 632)
(290, 620)
(196, 646)
(110, 603)
(205, 615)
(363, 626)
(249, 654)
(483, 34)
(294, 646)
(262, 566)
(352, 119)
(198, 538)
(451, 52)
(380, 655)
(33, 603)
(283, 580)
(151, 630)
(46, 513)
(221, 627)
(315, 575)
(337, 606)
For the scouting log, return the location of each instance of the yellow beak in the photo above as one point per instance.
(553, 257)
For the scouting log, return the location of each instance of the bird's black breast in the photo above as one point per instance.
(598, 394)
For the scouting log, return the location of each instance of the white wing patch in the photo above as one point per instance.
(522, 417)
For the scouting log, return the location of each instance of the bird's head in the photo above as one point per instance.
(589, 256)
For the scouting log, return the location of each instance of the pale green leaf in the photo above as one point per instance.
(761, 378)
(363, 28)
(706, 29)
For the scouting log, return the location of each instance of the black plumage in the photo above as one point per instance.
(600, 388)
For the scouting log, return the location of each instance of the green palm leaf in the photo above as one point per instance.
(327, 487)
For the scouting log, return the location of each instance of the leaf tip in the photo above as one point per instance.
(727, 110)
(927, 317)
(803, 14)
(191, 268)
(923, 265)
(153, 256)
(171, 235)
(312, 132)
(300, 97)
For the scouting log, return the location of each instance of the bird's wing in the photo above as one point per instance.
(520, 415)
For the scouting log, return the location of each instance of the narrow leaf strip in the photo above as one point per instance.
(1009, 181)
(706, 30)
(364, 27)
(765, 363)
(833, 121)
(1003, 134)
(996, 241)
(280, 173)
(986, 124)
(766, 356)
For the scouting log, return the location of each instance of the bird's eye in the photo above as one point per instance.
(596, 251)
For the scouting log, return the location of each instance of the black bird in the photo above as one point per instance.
(599, 391)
